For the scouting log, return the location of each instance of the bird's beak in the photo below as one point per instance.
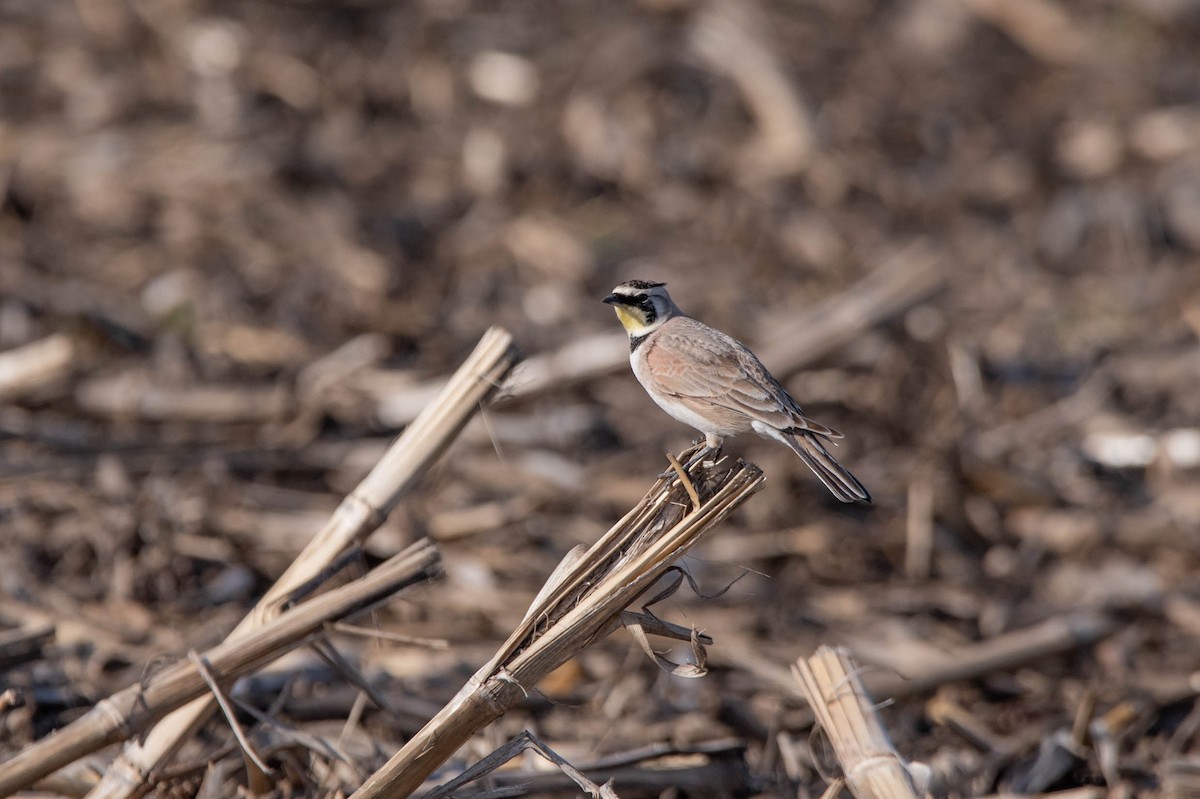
(614, 299)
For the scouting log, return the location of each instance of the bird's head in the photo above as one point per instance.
(642, 306)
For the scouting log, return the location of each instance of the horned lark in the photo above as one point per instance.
(714, 383)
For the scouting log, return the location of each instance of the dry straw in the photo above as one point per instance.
(870, 764)
(127, 713)
(356, 517)
(583, 601)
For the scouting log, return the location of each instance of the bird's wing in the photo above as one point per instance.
(692, 361)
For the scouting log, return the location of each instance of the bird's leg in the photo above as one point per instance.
(707, 455)
(712, 447)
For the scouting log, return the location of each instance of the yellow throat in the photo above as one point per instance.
(632, 320)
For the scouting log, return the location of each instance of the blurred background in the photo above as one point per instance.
(241, 241)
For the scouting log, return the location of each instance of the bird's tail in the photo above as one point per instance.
(835, 476)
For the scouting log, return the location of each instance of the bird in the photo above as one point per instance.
(715, 384)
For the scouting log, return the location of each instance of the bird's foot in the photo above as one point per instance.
(707, 455)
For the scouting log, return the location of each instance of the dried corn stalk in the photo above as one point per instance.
(870, 764)
(359, 514)
(129, 712)
(583, 602)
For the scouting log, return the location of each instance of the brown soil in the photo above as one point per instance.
(204, 200)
